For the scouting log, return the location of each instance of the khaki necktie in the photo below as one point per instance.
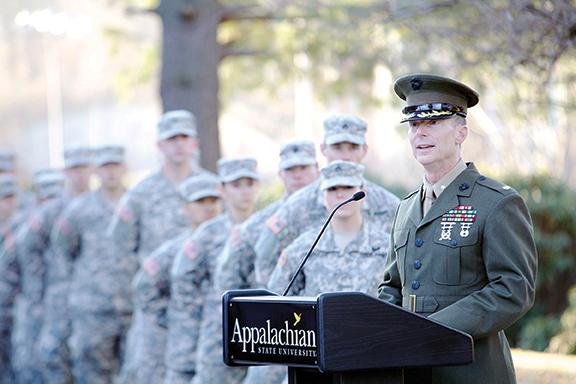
(429, 199)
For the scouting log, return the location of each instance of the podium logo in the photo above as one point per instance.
(252, 337)
(297, 317)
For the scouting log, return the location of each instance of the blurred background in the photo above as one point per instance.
(260, 72)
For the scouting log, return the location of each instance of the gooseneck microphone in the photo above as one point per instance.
(357, 196)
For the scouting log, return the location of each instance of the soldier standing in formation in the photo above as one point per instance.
(201, 195)
(194, 314)
(150, 213)
(22, 278)
(8, 167)
(348, 257)
(462, 250)
(95, 279)
(53, 350)
(8, 205)
(298, 168)
(344, 139)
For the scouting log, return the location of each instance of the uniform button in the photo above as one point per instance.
(417, 264)
(419, 242)
(375, 248)
(415, 284)
(453, 242)
(482, 177)
(463, 186)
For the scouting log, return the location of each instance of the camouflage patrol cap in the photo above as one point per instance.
(200, 186)
(237, 168)
(7, 160)
(344, 128)
(48, 183)
(77, 156)
(432, 97)
(298, 152)
(109, 154)
(341, 173)
(7, 185)
(177, 122)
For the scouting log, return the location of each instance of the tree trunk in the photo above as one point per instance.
(191, 55)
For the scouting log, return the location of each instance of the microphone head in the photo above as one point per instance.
(358, 196)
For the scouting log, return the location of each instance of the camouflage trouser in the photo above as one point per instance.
(273, 374)
(96, 345)
(144, 361)
(218, 373)
(129, 365)
(27, 324)
(5, 353)
(177, 377)
(53, 350)
(150, 355)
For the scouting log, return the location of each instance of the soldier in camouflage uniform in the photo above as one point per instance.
(53, 351)
(298, 168)
(22, 278)
(348, 257)
(201, 194)
(8, 166)
(344, 139)
(194, 314)
(8, 203)
(149, 214)
(94, 279)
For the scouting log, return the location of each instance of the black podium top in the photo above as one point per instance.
(335, 332)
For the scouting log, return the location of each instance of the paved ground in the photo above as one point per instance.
(544, 368)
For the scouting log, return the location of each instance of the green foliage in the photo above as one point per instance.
(270, 193)
(536, 333)
(565, 340)
(551, 204)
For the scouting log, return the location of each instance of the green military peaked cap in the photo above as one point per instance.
(431, 97)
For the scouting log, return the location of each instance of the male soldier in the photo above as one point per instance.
(53, 349)
(298, 168)
(22, 280)
(8, 199)
(8, 166)
(462, 250)
(194, 297)
(201, 195)
(95, 281)
(344, 139)
(149, 214)
(8, 203)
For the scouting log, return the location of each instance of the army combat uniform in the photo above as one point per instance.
(24, 272)
(305, 208)
(149, 214)
(355, 266)
(192, 279)
(97, 282)
(195, 322)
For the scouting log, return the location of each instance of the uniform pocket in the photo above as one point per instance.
(456, 258)
(400, 242)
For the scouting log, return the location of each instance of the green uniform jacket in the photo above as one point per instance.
(471, 262)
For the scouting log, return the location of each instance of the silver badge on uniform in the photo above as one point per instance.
(463, 214)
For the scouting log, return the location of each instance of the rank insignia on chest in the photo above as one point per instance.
(464, 215)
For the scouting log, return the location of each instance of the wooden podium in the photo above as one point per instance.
(339, 337)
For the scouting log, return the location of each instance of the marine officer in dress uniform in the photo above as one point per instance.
(462, 248)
